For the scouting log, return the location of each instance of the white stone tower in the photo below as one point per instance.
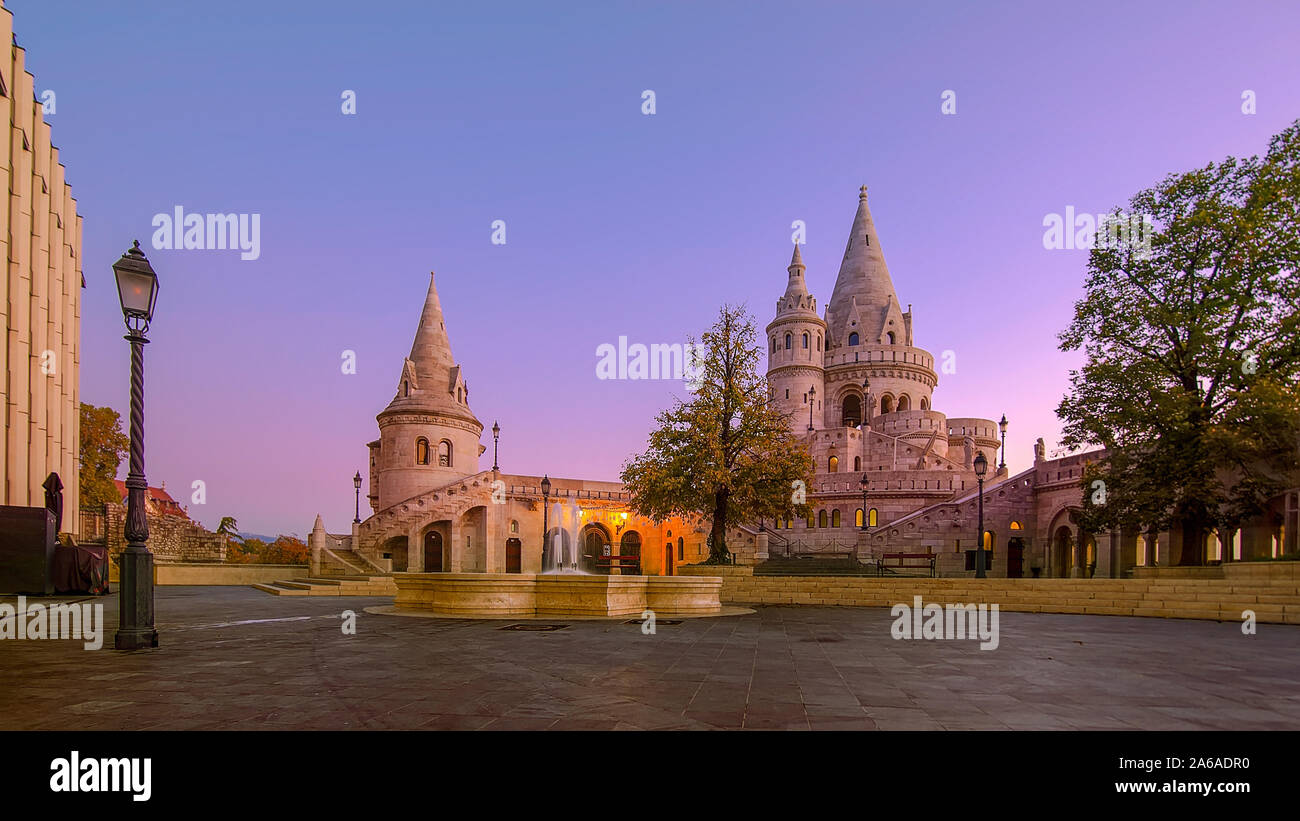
(428, 436)
(796, 339)
(869, 336)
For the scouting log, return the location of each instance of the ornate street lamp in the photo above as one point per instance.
(866, 403)
(137, 290)
(546, 527)
(496, 436)
(864, 484)
(812, 394)
(1002, 426)
(356, 483)
(981, 468)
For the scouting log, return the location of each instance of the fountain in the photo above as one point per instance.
(563, 588)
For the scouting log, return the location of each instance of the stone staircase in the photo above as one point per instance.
(328, 584)
(345, 563)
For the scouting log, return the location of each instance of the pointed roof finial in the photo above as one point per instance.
(796, 258)
(862, 193)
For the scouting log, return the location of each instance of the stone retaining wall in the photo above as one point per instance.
(1273, 599)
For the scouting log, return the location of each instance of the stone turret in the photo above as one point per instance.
(870, 336)
(796, 340)
(427, 435)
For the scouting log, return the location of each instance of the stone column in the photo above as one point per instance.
(414, 550)
(1107, 545)
(760, 546)
(494, 525)
(457, 546)
(1076, 554)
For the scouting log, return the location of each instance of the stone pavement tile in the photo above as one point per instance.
(806, 667)
(725, 719)
(505, 723)
(841, 723)
(775, 723)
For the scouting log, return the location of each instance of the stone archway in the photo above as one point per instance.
(433, 552)
(1062, 552)
(594, 547)
(630, 545)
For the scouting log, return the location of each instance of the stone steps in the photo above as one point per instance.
(332, 585)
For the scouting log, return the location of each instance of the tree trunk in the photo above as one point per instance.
(718, 549)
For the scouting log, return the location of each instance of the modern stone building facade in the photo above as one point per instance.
(856, 387)
(40, 349)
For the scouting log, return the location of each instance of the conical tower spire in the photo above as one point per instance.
(797, 286)
(431, 381)
(431, 350)
(863, 279)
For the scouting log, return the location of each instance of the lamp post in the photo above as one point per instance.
(863, 483)
(356, 483)
(981, 468)
(1002, 426)
(546, 526)
(496, 436)
(812, 395)
(137, 289)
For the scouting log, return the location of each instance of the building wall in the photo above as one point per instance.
(40, 349)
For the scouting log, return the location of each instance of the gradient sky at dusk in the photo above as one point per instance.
(618, 223)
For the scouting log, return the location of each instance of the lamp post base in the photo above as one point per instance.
(135, 629)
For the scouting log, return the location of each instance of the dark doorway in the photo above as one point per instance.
(514, 556)
(433, 552)
(1016, 558)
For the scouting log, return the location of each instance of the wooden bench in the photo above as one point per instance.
(903, 558)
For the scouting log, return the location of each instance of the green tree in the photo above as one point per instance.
(728, 454)
(102, 448)
(1192, 352)
(229, 527)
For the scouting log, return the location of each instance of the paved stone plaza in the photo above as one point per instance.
(234, 658)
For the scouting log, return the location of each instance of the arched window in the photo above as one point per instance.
(681, 548)
(773, 344)
(812, 520)
(925, 403)
(406, 388)
(890, 336)
(833, 465)
(821, 518)
(819, 342)
(789, 523)
(1015, 525)
(514, 526)
(835, 518)
(872, 518)
(904, 403)
(460, 395)
(787, 342)
(444, 454)
(422, 451)
(886, 404)
(857, 463)
(853, 339)
(805, 340)
(857, 518)
(852, 412)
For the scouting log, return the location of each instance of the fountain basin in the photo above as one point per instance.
(470, 595)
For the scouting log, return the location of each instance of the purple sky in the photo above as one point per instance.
(617, 223)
